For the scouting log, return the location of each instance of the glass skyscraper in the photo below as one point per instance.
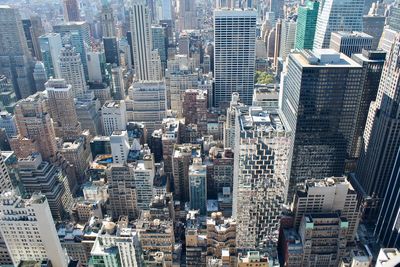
(306, 23)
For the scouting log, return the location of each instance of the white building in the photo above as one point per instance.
(119, 146)
(113, 114)
(234, 54)
(288, 37)
(149, 104)
(71, 70)
(260, 181)
(50, 48)
(28, 229)
(94, 60)
(337, 16)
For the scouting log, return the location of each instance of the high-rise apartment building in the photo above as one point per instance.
(62, 109)
(234, 62)
(50, 49)
(141, 40)
(195, 109)
(15, 59)
(306, 24)
(35, 128)
(337, 16)
(113, 114)
(350, 43)
(221, 234)
(198, 186)
(37, 175)
(28, 229)
(260, 178)
(71, 70)
(122, 191)
(71, 10)
(326, 196)
(320, 99)
(381, 137)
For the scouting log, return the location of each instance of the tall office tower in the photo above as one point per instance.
(198, 186)
(372, 63)
(71, 70)
(5, 180)
(288, 37)
(15, 60)
(182, 157)
(35, 127)
(50, 49)
(271, 43)
(387, 226)
(149, 104)
(33, 28)
(332, 195)
(88, 113)
(160, 43)
(277, 45)
(39, 76)
(117, 83)
(96, 63)
(156, 72)
(234, 63)
(111, 50)
(122, 191)
(381, 139)
(37, 175)
(117, 244)
(373, 25)
(71, 10)
(30, 220)
(324, 236)
(322, 138)
(219, 4)
(306, 24)
(141, 40)
(187, 15)
(119, 146)
(260, 178)
(113, 114)
(77, 34)
(62, 109)
(107, 20)
(337, 16)
(144, 172)
(350, 43)
(277, 6)
(125, 52)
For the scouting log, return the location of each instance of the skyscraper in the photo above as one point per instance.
(260, 178)
(387, 226)
(321, 95)
(33, 28)
(62, 109)
(71, 70)
(15, 59)
(306, 24)
(288, 37)
(50, 49)
(198, 186)
(337, 16)
(187, 16)
(350, 43)
(107, 20)
(71, 10)
(381, 136)
(141, 40)
(111, 50)
(113, 114)
(234, 64)
(5, 180)
(30, 220)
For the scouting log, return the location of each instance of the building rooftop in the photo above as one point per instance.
(323, 58)
(352, 34)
